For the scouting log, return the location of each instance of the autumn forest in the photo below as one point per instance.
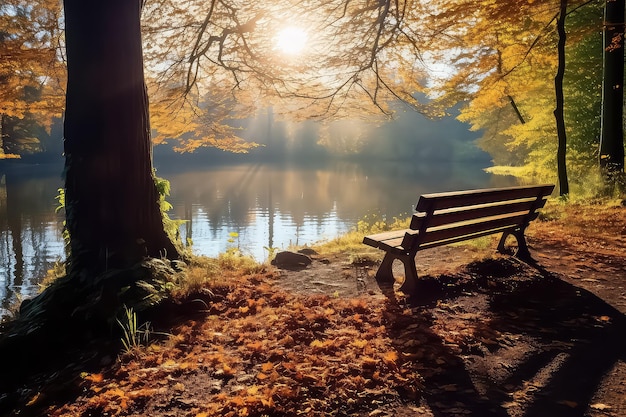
(133, 322)
(206, 66)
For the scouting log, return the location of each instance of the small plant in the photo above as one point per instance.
(60, 198)
(56, 271)
(133, 335)
(376, 223)
(201, 271)
(234, 237)
(233, 259)
(271, 251)
(171, 226)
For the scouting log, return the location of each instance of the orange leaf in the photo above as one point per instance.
(94, 378)
(369, 362)
(360, 343)
(255, 346)
(268, 403)
(228, 370)
(33, 400)
(390, 357)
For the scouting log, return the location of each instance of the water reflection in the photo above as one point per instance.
(265, 205)
(30, 232)
(274, 205)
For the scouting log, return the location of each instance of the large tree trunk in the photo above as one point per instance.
(612, 133)
(559, 111)
(112, 209)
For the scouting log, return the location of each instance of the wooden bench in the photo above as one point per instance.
(444, 218)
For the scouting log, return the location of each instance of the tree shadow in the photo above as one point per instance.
(502, 338)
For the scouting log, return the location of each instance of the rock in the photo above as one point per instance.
(289, 259)
(307, 251)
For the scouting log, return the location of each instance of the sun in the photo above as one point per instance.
(291, 40)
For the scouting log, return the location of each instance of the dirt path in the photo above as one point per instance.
(513, 340)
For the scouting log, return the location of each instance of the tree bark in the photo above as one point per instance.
(559, 110)
(112, 208)
(612, 131)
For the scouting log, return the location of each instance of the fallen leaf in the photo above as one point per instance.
(33, 400)
(390, 358)
(228, 370)
(359, 343)
(600, 406)
(256, 346)
(94, 377)
(369, 362)
(510, 404)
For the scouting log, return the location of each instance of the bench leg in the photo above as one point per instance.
(522, 248)
(410, 275)
(384, 276)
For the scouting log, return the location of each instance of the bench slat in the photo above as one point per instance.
(475, 212)
(454, 230)
(463, 238)
(439, 201)
(386, 239)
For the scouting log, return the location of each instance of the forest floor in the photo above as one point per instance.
(485, 336)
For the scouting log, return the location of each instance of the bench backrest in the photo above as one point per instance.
(443, 218)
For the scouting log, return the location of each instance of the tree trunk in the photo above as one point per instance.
(3, 136)
(559, 111)
(112, 209)
(612, 134)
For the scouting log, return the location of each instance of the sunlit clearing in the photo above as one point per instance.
(291, 40)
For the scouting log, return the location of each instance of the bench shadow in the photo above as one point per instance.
(538, 346)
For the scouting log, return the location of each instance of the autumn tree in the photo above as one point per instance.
(111, 200)
(559, 112)
(612, 134)
(504, 72)
(31, 71)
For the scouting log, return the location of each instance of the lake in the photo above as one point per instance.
(252, 206)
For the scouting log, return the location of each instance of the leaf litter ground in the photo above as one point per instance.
(485, 336)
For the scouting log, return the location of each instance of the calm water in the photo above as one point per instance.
(265, 205)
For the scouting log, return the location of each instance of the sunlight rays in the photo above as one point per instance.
(291, 40)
